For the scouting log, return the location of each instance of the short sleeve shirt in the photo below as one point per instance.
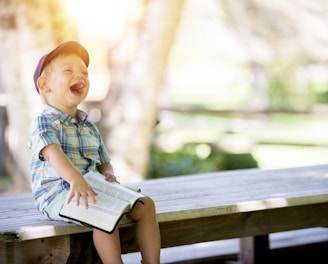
(79, 139)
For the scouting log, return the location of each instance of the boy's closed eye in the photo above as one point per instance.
(68, 70)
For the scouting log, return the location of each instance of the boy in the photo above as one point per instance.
(65, 145)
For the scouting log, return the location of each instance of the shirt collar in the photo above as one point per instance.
(80, 117)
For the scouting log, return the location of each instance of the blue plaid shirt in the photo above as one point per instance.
(80, 140)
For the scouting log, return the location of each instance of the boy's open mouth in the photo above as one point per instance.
(77, 88)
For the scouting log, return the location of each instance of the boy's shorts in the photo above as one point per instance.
(53, 209)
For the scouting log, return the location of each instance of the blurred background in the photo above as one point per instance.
(177, 87)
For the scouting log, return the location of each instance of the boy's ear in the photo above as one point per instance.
(41, 82)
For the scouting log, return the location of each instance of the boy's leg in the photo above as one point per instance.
(147, 231)
(108, 246)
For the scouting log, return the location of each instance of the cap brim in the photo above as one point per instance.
(69, 47)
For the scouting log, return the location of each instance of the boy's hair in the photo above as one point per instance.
(69, 47)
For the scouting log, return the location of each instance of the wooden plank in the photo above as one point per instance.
(254, 250)
(190, 231)
(217, 194)
(50, 250)
(69, 249)
(298, 237)
(207, 194)
(220, 250)
(42, 231)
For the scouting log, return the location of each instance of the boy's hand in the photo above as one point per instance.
(110, 177)
(80, 189)
(106, 169)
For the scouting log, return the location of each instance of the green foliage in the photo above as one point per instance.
(187, 161)
(234, 161)
(5, 182)
(322, 98)
(286, 90)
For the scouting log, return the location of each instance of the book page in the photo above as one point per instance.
(98, 182)
(105, 214)
(113, 201)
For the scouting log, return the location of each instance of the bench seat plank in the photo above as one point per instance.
(190, 197)
(236, 191)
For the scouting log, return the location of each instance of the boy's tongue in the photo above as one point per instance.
(77, 88)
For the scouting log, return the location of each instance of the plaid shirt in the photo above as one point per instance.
(80, 141)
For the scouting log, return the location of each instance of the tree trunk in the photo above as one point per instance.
(131, 106)
(28, 29)
(259, 100)
(12, 80)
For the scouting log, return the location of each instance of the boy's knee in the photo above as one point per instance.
(145, 208)
(148, 202)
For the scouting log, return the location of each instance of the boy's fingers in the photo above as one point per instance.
(77, 197)
(111, 178)
(70, 197)
(85, 197)
(92, 196)
(85, 201)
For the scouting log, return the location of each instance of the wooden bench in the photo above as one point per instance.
(297, 246)
(247, 204)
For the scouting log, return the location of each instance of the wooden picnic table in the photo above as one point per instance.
(248, 204)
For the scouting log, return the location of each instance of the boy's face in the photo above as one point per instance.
(65, 82)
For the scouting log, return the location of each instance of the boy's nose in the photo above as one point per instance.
(80, 75)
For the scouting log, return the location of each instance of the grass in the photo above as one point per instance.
(279, 156)
(280, 140)
(5, 182)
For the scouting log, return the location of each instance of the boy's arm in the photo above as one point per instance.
(106, 169)
(79, 188)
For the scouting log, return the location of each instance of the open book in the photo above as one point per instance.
(113, 202)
